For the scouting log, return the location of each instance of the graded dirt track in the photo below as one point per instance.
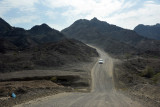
(103, 93)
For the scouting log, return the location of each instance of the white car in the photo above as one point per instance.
(101, 61)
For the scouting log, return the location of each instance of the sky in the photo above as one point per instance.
(60, 14)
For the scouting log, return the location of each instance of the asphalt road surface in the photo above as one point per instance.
(103, 93)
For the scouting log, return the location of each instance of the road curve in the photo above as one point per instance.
(103, 93)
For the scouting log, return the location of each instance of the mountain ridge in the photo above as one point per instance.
(38, 48)
(27, 38)
(4, 26)
(101, 32)
(149, 31)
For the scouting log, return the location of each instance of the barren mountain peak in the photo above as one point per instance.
(94, 19)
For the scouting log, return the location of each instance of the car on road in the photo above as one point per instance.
(101, 61)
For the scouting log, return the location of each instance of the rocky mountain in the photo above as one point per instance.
(41, 47)
(110, 37)
(43, 33)
(4, 26)
(28, 38)
(148, 31)
(40, 29)
(97, 27)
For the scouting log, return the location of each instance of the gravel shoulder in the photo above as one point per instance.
(32, 84)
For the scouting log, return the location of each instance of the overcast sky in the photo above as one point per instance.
(59, 14)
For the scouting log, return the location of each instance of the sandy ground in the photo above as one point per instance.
(103, 93)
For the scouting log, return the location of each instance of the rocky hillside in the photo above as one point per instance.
(148, 31)
(112, 38)
(41, 47)
(47, 55)
(6, 46)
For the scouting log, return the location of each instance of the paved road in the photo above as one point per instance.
(103, 93)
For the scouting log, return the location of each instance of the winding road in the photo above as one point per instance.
(103, 93)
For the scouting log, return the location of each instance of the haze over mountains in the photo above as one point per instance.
(148, 31)
(112, 38)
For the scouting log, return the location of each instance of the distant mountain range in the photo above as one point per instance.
(111, 38)
(148, 31)
(27, 38)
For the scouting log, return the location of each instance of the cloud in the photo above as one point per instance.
(92, 8)
(144, 15)
(76, 9)
(62, 13)
(125, 13)
(21, 5)
(23, 19)
(149, 2)
(51, 14)
(56, 4)
(18, 11)
(56, 26)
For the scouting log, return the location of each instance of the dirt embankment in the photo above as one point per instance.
(139, 78)
(32, 84)
(28, 90)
